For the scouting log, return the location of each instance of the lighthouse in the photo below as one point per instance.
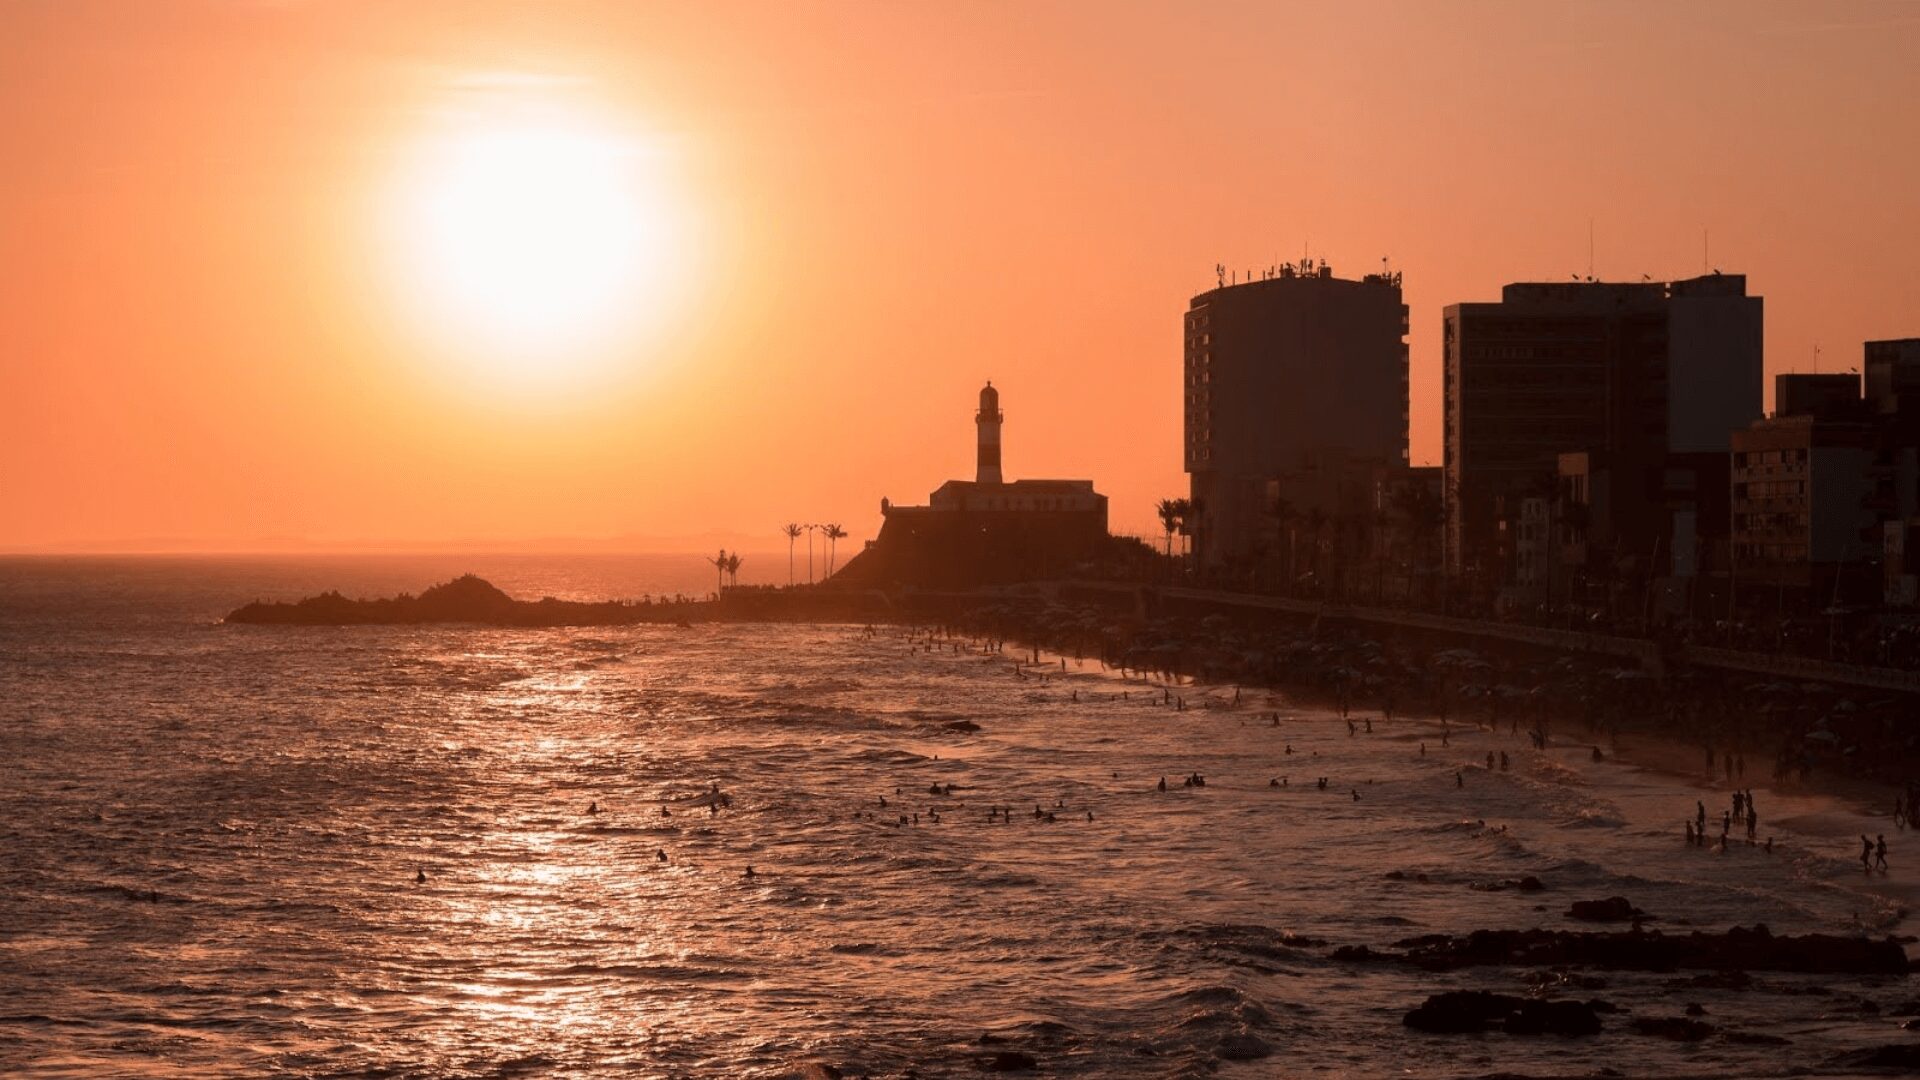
(987, 420)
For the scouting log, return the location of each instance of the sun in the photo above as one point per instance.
(534, 246)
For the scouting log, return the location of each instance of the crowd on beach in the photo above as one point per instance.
(1807, 724)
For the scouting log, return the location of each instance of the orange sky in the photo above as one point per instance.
(200, 346)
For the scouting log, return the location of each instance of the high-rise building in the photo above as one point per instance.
(1287, 378)
(1893, 375)
(1636, 372)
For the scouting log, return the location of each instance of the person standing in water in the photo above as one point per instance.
(1866, 854)
(1880, 853)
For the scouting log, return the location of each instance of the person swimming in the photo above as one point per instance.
(660, 854)
(1163, 783)
(420, 875)
(750, 874)
(593, 808)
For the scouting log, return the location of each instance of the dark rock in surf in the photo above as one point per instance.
(1009, 1061)
(1612, 909)
(1894, 1056)
(1458, 1012)
(1739, 949)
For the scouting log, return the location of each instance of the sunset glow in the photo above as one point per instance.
(532, 250)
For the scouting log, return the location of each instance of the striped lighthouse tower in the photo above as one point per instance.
(988, 422)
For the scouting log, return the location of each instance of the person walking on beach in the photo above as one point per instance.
(1700, 815)
(1753, 820)
(1459, 779)
(1880, 853)
(1689, 825)
(1866, 854)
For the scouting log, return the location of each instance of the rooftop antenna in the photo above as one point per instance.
(1220, 274)
(1705, 261)
(1816, 358)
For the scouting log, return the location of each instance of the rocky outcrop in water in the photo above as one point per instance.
(1612, 909)
(1464, 1011)
(466, 599)
(1739, 949)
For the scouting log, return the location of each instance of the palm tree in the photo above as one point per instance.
(1169, 511)
(1184, 520)
(719, 570)
(733, 568)
(810, 529)
(832, 533)
(793, 533)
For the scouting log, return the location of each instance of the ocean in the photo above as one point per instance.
(211, 839)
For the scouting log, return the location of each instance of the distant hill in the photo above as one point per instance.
(465, 599)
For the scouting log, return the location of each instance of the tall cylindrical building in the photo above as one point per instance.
(988, 422)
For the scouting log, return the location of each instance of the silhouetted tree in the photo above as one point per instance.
(1169, 511)
(793, 534)
(719, 570)
(833, 533)
(1183, 523)
(733, 568)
